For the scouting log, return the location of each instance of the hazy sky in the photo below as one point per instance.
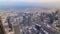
(29, 2)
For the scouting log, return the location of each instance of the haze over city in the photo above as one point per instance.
(29, 16)
(30, 3)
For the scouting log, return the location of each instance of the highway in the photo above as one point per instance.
(49, 30)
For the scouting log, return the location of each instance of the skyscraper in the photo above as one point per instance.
(1, 27)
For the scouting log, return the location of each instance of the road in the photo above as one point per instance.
(49, 30)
